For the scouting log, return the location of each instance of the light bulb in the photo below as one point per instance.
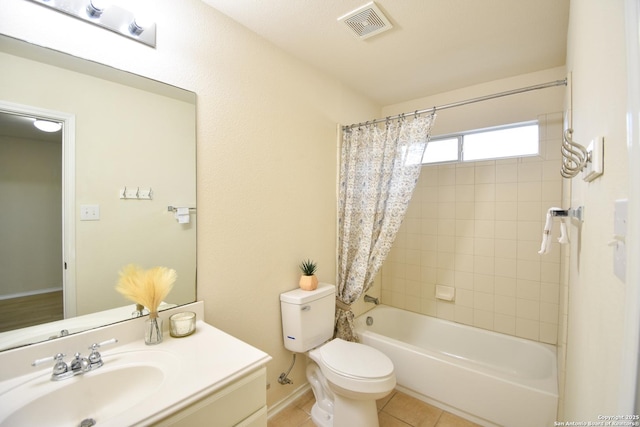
(47, 125)
(96, 7)
(139, 24)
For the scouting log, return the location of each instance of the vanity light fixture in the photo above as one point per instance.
(47, 125)
(105, 14)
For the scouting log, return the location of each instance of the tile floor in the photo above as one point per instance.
(396, 410)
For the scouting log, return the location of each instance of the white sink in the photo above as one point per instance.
(138, 385)
(125, 380)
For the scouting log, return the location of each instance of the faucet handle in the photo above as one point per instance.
(58, 357)
(97, 345)
(59, 368)
(95, 358)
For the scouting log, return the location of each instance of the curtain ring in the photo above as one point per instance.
(415, 115)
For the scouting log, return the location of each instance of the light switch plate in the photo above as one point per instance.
(89, 212)
(620, 218)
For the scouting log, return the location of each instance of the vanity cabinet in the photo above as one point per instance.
(242, 403)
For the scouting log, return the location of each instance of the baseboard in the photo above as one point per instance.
(30, 293)
(279, 406)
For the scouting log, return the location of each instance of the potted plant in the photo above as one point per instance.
(308, 280)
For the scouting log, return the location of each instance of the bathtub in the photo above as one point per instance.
(486, 377)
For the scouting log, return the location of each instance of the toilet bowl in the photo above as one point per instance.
(346, 377)
(356, 376)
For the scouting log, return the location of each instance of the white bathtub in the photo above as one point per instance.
(487, 377)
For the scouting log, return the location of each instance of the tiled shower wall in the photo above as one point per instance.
(477, 227)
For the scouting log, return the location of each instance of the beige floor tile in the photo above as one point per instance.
(450, 420)
(412, 411)
(395, 410)
(305, 402)
(308, 423)
(380, 403)
(290, 416)
(387, 420)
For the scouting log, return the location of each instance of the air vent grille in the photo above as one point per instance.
(366, 21)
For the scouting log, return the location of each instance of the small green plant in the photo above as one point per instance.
(308, 267)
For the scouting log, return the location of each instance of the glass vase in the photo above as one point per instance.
(153, 330)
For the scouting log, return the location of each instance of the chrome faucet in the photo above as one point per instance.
(368, 298)
(78, 366)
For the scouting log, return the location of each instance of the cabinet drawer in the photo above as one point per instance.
(226, 407)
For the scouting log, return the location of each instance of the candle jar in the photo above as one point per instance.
(182, 324)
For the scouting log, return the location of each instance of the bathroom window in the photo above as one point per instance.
(516, 140)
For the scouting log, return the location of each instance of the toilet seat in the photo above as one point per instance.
(355, 369)
(354, 360)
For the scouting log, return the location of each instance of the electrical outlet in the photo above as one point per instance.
(89, 212)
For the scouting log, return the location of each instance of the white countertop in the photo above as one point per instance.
(207, 361)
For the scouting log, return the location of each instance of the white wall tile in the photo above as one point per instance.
(485, 210)
(464, 245)
(505, 305)
(483, 319)
(465, 175)
(530, 172)
(485, 192)
(527, 309)
(478, 227)
(504, 324)
(506, 192)
(505, 286)
(526, 328)
(463, 315)
(506, 172)
(464, 297)
(464, 280)
(507, 230)
(485, 174)
(484, 283)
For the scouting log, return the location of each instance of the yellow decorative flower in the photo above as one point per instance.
(146, 287)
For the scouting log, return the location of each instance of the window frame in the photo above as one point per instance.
(460, 137)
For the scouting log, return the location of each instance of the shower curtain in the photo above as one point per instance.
(379, 169)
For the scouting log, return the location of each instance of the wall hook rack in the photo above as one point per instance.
(576, 158)
(138, 193)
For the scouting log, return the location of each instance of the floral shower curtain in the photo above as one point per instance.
(379, 169)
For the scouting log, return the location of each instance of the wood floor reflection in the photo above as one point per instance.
(30, 310)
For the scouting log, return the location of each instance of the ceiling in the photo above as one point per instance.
(19, 126)
(434, 46)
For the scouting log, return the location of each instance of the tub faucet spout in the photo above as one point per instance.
(368, 298)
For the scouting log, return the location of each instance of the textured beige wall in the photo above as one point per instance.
(595, 313)
(266, 152)
(30, 187)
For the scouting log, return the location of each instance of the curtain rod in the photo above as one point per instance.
(465, 102)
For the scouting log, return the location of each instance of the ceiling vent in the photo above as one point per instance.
(366, 21)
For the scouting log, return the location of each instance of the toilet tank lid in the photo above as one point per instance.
(300, 296)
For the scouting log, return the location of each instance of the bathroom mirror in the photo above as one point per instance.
(103, 192)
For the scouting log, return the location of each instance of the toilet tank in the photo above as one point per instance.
(307, 317)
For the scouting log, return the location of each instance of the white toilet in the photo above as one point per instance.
(346, 377)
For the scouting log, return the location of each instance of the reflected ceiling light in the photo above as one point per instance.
(107, 14)
(47, 125)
